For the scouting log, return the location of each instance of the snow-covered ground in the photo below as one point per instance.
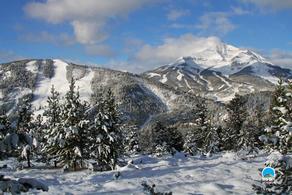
(221, 174)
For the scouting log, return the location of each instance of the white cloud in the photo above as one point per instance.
(100, 50)
(216, 23)
(271, 4)
(46, 37)
(281, 58)
(169, 50)
(175, 14)
(88, 32)
(240, 11)
(87, 17)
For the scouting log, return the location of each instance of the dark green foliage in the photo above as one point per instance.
(237, 115)
(5, 125)
(131, 140)
(151, 189)
(203, 137)
(105, 143)
(165, 140)
(278, 138)
(24, 115)
(48, 68)
(72, 126)
(53, 122)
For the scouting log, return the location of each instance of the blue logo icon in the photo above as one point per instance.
(268, 174)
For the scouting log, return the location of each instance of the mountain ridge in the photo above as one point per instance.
(218, 71)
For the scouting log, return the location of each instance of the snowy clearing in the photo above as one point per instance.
(221, 174)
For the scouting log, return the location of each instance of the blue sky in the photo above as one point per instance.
(114, 33)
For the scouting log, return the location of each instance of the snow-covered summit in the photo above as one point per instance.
(213, 53)
(219, 70)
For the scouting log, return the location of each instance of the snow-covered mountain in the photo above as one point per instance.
(219, 70)
(139, 98)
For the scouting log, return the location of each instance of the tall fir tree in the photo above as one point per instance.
(131, 139)
(4, 125)
(202, 125)
(277, 139)
(203, 137)
(71, 131)
(105, 143)
(234, 134)
(52, 125)
(165, 139)
(24, 115)
(277, 136)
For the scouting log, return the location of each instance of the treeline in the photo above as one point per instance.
(68, 133)
(71, 131)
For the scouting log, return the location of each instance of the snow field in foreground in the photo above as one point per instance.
(220, 174)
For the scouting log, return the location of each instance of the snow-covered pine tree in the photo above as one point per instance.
(4, 125)
(202, 125)
(4, 130)
(37, 131)
(211, 141)
(105, 139)
(70, 132)
(114, 127)
(233, 136)
(52, 125)
(52, 111)
(131, 140)
(165, 140)
(203, 137)
(24, 115)
(278, 139)
(258, 121)
(24, 126)
(190, 146)
(277, 136)
(175, 141)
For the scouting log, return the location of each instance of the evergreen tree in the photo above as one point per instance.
(234, 134)
(202, 125)
(278, 139)
(211, 141)
(4, 130)
(70, 130)
(24, 115)
(258, 122)
(52, 112)
(277, 136)
(190, 145)
(53, 130)
(4, 125)
(204, 137)
(105, 144)
(131, 144)
(166, 140)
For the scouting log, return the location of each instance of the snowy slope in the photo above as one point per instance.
(218, 175)
(43, 84)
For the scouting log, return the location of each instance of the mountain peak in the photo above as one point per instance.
(211, 52)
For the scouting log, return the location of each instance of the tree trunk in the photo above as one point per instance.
(28, 159)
